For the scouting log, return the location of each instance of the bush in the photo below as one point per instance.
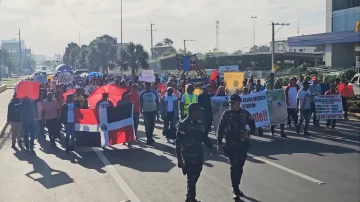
(354, 105)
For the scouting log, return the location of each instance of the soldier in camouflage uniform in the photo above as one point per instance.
(233, 127)
(189, 138)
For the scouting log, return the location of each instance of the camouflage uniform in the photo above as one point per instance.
(232, 126)
(189, 138)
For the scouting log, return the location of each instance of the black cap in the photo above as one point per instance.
(234, 98)
(194, 107)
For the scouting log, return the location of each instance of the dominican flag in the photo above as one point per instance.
(105, 126)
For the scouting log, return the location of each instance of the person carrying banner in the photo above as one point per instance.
(315, 90)
(188, 98)
(104, 102)
(272, 127)
(331, 122)
(149, 104)
(28, 113)
(189, 138)
(303, 105)
(232, 127)
(134, 97)
(67, 118)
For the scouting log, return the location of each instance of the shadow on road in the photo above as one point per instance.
(50, 178)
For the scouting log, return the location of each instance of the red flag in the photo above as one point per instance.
(28, 89)
(214, 75)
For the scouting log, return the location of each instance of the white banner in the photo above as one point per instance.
(328, 107)
(231, 68)
(40, 78)
(65, 78)
(256, 105)
(147, 76)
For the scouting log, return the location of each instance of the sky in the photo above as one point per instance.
(47, 26)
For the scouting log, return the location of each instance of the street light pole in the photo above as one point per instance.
(121, 25)
(273, 41)
(254, 18)
(79, 33)
(185, 40)
(151, 39)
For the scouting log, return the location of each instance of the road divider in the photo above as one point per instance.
(3, 88)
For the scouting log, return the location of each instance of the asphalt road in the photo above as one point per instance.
(322, 168)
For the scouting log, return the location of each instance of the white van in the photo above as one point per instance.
(355, 82)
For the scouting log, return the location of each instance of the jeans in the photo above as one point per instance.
(169, 125)
(272, 129)
(192, 173)
(207, 121)
(313, 112)
(16, 131)
(29, 134)
(304, 115)
(70, 135)
(345, 107)
(331, 122)
(52, 126)
(136, 117)
(292, 115)
(39, 129)
(149, 122)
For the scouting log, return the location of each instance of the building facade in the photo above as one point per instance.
(340, 40)
(283, 47)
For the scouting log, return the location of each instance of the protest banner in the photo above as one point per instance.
(277, 106)
(234, 81)
(29, 89)
(328, 107)
(40, 78)
(256, 105)
(147, 76)
(223, 69)
(65, 78)
(219, 104)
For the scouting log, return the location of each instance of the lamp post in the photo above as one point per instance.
(254, 18)
(79, 33)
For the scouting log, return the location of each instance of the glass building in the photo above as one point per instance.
(340, 40)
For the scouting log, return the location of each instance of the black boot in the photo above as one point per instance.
(13, 145)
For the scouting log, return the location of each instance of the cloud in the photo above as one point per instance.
(45, 23)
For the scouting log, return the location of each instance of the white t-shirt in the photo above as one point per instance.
(304, 97)
(70, 114)
(292, 94)
(300, 84)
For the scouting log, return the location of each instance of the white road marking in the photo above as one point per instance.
(122, 184)
(287, 169)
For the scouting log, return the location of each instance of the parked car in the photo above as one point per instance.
(14, 76)
(355, 82)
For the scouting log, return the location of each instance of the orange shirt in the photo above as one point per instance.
(135, 99)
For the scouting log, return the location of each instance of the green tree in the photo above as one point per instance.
(133, 58)
(168, 42)
(257, 49)
(67, 55)
(106, 49)
(238, 52)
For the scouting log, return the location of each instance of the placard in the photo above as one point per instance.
(234, 81)
(65, 78)
(256, 105)
(328, 107)
(277, 106)
(223, 69)
(147, 76)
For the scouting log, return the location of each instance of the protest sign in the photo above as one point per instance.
(328, 107)
(256, 105)
(147, 76)
(234, 81)
(40, 78)
(219, 104)
(65, 78)
(223, 69)
(277, 106)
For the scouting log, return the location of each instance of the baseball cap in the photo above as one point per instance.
(234, 98)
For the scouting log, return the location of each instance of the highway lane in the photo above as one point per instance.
(150, 174)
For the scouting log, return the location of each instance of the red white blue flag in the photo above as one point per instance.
(105, 126)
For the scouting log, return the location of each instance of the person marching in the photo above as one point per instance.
(189, 138)
(188, 98)
(67, 117)
(233, 128)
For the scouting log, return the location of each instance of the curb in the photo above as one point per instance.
(3, 88)
(354, 114)
(3, 127)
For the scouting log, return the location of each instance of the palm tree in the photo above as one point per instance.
(68, 56)
(133, 58)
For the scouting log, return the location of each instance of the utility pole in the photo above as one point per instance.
(1, 52)
(121, 25)
(254, 18)
(20, 59)
(185, 40)
(273, 41)
(152, 41)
